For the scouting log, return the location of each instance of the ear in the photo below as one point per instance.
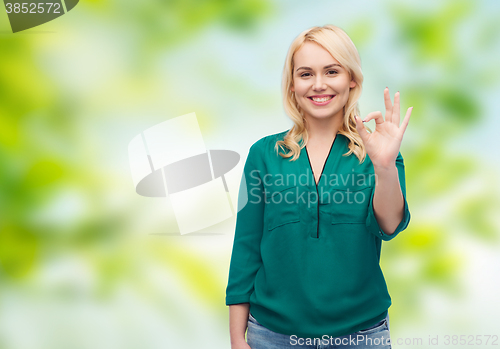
(352, 84)
(292, 89)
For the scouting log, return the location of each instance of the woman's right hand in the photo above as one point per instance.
(238, 319)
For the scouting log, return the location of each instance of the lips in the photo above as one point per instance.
(321, 99)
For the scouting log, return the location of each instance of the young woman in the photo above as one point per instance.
(305, 267)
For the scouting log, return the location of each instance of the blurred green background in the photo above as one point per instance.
(85, 262)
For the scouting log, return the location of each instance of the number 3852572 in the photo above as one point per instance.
(47, 7)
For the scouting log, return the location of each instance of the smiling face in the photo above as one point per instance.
(321, 85)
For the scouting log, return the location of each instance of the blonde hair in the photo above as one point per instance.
(341, 47)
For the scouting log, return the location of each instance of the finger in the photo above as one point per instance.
(379, 119)
(363, 133)
(396, 109)
(406, 120)
(388, 105)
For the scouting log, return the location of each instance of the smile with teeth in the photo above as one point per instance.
(321, 99)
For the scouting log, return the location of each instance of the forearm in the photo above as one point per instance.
(388, 201)
(238, 318)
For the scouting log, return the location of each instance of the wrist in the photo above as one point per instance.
(384, 168)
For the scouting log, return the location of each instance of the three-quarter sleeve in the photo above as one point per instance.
(371, 221)
(246, 258)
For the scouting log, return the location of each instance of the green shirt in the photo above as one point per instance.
(306, 256)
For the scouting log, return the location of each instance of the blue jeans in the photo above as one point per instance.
(376, 336)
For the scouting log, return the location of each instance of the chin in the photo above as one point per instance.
(322, 115)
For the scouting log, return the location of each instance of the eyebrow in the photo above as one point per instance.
(325, 67)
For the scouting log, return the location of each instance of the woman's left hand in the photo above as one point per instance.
(382, 145)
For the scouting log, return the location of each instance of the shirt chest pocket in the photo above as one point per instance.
(349, 204)
(282, 206)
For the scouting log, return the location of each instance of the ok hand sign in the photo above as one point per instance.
(382, 145)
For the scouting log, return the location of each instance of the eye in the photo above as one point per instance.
(304, 75)
(332, 72)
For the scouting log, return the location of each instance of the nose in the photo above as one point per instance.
(319, 84)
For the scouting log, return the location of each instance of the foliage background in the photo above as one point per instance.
(87, 263)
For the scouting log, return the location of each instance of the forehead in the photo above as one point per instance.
(312, 55)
